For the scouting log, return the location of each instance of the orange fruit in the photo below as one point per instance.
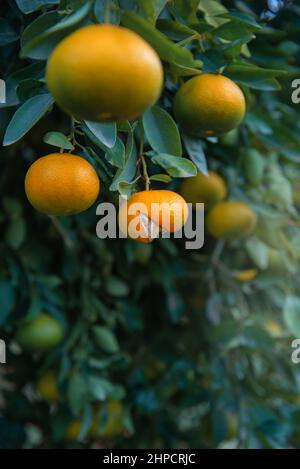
(209, 105)
(208, 190)
(104, 73)
(246, 275)
(61, 184)
(148, 212)
(72, 431)
(41, 333)
(231, 220)
(47, 386)
(274, 328)
(111, 427)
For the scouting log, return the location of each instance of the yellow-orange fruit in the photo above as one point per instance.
(113, 425)
(231, 220)
(209, 105)
(208, 190)
(152, 210)
(104, 73)
(246, 275)
(274, 328)
(61, 184)
(47, 386)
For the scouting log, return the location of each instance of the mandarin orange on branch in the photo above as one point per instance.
(209, 105)
(61, 184)
(148, 212)
(104, 73)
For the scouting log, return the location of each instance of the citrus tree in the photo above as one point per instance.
(126, 342)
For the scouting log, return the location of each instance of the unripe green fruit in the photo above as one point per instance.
(41, 333)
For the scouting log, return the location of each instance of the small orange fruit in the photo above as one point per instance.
(274, 328)
(104, 73)
(113, 425)
(72, 431)
(246, 275)
(209, 105)
(231, 220)
(208, 190)
(61, 184)
(47, 386)
(147, 213)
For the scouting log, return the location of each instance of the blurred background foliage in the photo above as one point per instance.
(163, 347)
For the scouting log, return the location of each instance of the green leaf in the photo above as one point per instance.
(116, 287)
(57, 139)
(30, 87)
(291, 315)
(126, 188)
(127, 173)
(28, 6)
(160, 178)
(99, 388)
(232, 30)
(32, 72)
(161, 131)
(174, 30)
(77, 392)
(15, 232)
(26, 116)
(253, 76)
(254, 164)
(176, 166)
(243, 18)
(258, 252)
(41, 36)
(116, 155)
(194, 147)
(7, 33)
(212, 11)
(187, 9)
(86, 421)
(167, 50)
(182, 71)
(102, 167)
(105, 339)
(106, 133)
(279, 189)
(7, 295)
(213, 60)
(150, 9)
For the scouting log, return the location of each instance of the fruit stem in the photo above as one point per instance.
(107, 11)
(142, 158)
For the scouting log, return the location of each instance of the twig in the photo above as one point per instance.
(67, 240)
(142, 158)
(217, 252)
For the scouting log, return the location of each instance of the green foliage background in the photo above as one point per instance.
(172, 333)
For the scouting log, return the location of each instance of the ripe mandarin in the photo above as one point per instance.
(153, 209)
(61, 184)
(209, 105)
(104, 73)
(231, 220)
